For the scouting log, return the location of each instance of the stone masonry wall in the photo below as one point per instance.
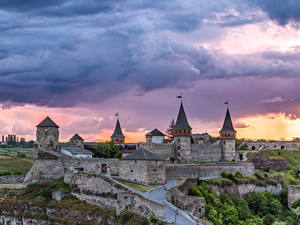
(174, 171)
(148, 172)
(11, 179)
(293, 194)
(53, 169)
(206, 152)
(104, 191)
(263, 162)
(165, 150)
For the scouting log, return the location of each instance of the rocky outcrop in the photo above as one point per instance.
(262, 162)
(11, 179)
(240, 190)
(293, 194)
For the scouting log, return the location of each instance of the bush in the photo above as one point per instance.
(153, 218)
(296, 204)
(145, 222)
(269, 219)
(238, 174)
(194, 191)
(227, 175)
(125, 215)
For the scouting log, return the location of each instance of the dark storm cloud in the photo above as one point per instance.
(281, 11)
(61, 53)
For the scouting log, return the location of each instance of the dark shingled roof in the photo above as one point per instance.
(76, 137)
(118, 131)
(156, 132)
(77, 150)
(182, 122)
(227, 125)
(47, 122)
(143, 154)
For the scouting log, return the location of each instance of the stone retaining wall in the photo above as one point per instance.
(11, 179)
(53, 169)
(174, 171)
(104, 191)
(293, 194)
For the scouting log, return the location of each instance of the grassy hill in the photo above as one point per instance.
(9, 165)
(292, 156)
(14, 152)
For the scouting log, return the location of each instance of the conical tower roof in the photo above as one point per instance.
(47, 122)
(76, 137)
(118, 131)
(227, 125)
(182, 122)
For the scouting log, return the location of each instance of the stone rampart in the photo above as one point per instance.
(195, 205)
(240, 190)
(293, 194)
(206, 152)
(11, 179)
(165, 150)
(280, 145)
(104, 191)
(264, 163)
(174, 171)
(53, 169)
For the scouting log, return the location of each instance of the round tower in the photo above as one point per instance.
(228, 137)
(46, 137)
(182, 133)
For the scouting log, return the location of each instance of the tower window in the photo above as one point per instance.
(178, 140)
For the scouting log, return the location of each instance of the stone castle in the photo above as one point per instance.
(188, 147)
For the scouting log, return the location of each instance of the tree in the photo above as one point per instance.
(107, 150)
(169, 130)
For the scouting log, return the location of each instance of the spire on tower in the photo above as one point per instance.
(227, 124)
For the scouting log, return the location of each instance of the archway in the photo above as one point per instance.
(253, 147)
(104, 168)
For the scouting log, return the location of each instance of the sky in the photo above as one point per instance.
(81, 61)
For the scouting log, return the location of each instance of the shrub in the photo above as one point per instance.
(125, 215)
(145, 222)
(227, 175)
(193, 191)
(269, 219)
(296, 204)
(153, 218)
(238, 174)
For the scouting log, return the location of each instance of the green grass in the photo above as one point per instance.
(14, 152)
(14, 166)
(292, 156)
(139, 187)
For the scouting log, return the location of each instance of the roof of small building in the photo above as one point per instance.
(54, 153)
(47, 122)
(77, 150)
(182, 122)
(156, 132)
(142, 154)
(76, 137)
(118, 131)
(227, 125)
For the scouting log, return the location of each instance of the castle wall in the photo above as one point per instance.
(175, 171)
(283, 145)
(104, 191)
(206, 152)
(53, 169)
(165, 150)
(11, 179)
(149, 172)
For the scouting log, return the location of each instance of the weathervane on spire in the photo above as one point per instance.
(117, 114)
(227, 103)
(180, 96)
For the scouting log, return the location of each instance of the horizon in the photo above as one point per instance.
(80, 62)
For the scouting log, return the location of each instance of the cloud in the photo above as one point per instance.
(241, 125)
(277, 99)
(281, 11)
